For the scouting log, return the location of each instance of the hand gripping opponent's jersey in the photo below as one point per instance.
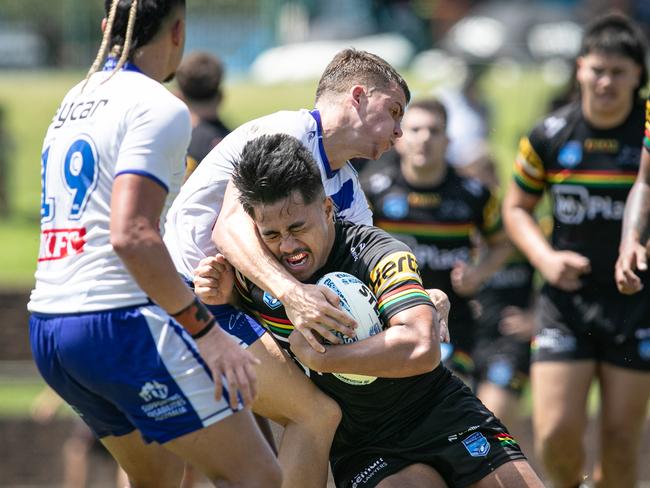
(382, 408)
(437, 223)
(188, 229)
(589, 173)
(128, 124)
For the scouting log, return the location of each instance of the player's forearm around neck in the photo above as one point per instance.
(237, 239)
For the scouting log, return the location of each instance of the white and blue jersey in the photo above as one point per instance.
(120, 361)
(129, 124)
(190, 220)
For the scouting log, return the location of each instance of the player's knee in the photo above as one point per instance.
(323, 415)
(559, 442)
(621, 441)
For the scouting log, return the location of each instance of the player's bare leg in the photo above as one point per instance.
(414, 476)
(624, 403)
(560, 392)
(514, 474)
(503, 403)
(309, 417)
(265, 428)
(145, 464)
(216, 451)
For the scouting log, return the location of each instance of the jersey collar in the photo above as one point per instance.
(111, 63)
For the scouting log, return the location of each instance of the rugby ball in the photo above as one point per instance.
(356, 299)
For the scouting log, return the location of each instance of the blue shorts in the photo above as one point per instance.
(237, 323)
(127, 369)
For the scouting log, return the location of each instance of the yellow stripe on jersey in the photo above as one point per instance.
(646, 139)
(529, 169)
(393, 269)
(242, 288)
(491, 216)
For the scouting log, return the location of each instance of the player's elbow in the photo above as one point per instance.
(129, 241)
(426, 356)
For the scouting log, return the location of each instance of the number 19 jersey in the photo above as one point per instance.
(128, 124)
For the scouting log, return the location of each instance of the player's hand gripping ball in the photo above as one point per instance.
(356, 299)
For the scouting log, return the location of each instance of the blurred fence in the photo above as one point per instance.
(66, 33)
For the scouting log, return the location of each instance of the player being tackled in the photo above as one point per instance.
(416, 424)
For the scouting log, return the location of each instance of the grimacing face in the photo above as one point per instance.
(607, 82)
(299, 235)
(424, 141)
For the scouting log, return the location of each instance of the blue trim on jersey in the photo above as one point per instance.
(321, 149)
(344, 197)
(145, 174)
(111, 63)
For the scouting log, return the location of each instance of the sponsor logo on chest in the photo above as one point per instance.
(61, 243)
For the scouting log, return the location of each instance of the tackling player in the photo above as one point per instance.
(360, 101)
(586, 155)
(416, 424)
(114, 330)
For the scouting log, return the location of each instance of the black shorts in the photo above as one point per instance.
(503, 361)
(588, 325)
(462, 329)
(459, 438)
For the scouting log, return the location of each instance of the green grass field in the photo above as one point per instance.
(30, 100)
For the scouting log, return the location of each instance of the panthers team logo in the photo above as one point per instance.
(270, 301)
(396, 206)
(570, 154)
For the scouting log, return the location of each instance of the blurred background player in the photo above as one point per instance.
(423, 201)
(586, 155)
(199, 79)
(77, 448)
(504, 322)
(154, 389)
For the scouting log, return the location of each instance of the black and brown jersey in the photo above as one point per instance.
(588, 173)
(440, 224)
(205, 136)
(390, 270)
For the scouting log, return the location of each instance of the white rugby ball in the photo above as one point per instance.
(358, 300)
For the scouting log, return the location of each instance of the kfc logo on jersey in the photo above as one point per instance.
(61, 243)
